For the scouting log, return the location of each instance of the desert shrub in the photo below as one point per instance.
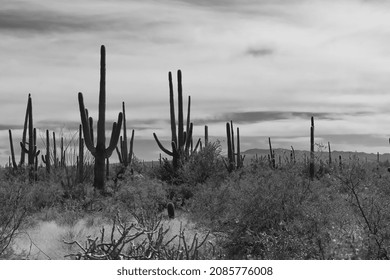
(12, 214)
(206, 164)
(366, 191)
(273, 214)
(43, 194)
(141, 195)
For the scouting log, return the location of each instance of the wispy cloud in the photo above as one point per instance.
(258, 52)
(267, 116)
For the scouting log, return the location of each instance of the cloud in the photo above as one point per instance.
(258, 52)
(267, 116)
(10, 126)
(25, 19)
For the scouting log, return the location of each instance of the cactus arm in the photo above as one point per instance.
(119, 154)
(23, 148)
(172, 109)
(90, 119)
(124, 142)
(115, 133)
(131, 147)
(86, 128)
(198, 143)
(188, 138)
(169, 153)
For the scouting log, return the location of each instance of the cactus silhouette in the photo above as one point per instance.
(125, 154)
(46, 158)
(14, 165)
(99, 152)
(312, 149)
(32, 151)
(235, 159)
(181, 141)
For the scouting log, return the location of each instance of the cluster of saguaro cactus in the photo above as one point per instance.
(180, 142)
(125, 154)
(235, 159)
(311, 167)
(99, 152)
(31, 151)
(47, 158)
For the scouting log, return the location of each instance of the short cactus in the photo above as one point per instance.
(171, 210)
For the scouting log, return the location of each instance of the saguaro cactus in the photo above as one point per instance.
(100, 152)
(126, 153)
(15, 166)
(46, 158)
(271, 156)
(181, 142)
(32, 151)
(171, 210)
(235, 159)
(312, 148)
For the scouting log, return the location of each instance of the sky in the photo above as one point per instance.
(268, 65)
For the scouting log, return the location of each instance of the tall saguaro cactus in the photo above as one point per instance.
(32, 151)
(235, 159)
(181, 141)
(46, 158)
(100, 152)
(311, 168)
(126, 153)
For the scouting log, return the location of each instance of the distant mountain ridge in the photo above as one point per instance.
(300, 154)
